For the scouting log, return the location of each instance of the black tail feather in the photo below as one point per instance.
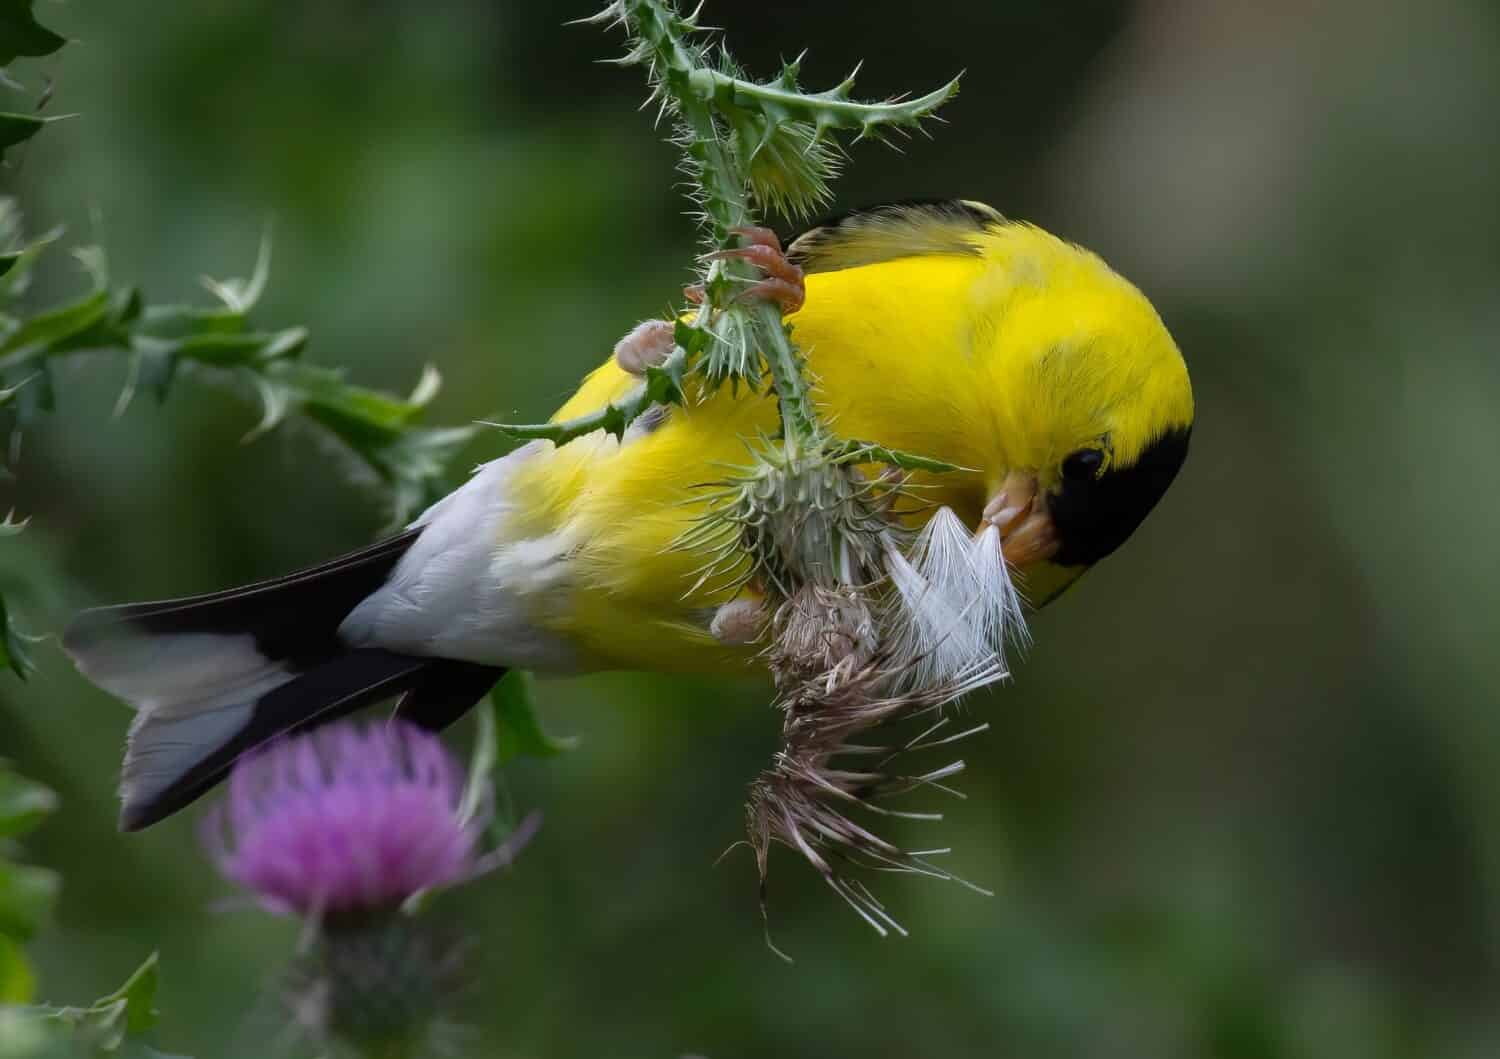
(294, 618)
(215, 676)
(446, 692)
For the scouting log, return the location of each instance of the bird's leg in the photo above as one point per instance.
(1019, 512)
(783, 281)
(647, 346)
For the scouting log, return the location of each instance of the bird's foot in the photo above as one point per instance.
(783, 282)
(740, 621)
(647, 346)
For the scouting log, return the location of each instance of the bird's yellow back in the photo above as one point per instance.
(991, 345)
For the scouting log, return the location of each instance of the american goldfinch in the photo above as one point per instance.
(939, 328)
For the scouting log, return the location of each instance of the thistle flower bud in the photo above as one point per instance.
(792, 521)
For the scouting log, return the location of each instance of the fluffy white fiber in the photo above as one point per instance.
(954, 608)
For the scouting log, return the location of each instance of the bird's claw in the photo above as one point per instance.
(650, 343)
(784, 282)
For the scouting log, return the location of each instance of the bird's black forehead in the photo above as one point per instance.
(1095, 516)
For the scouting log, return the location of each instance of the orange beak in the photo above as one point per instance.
(1019, 511)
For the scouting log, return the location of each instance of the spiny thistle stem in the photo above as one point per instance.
(868, 625)
(800, 424)
(747, 145)
(832, 109)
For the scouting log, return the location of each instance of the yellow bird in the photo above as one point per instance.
(940, 329)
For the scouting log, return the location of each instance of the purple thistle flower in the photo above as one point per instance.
(347, 819)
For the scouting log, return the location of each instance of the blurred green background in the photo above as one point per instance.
(1243, 798)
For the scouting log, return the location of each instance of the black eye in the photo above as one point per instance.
(1083, 465)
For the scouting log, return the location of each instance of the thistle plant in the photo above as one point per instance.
(865, 624)
(348, 828)
(111, 1025)
(219, 342)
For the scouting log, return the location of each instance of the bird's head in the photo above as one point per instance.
(1092, 406)
(1039, 367)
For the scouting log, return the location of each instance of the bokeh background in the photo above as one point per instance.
(1243, 798)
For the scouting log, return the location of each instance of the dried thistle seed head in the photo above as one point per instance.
(821, 633)
(850, 673)
(822, 782)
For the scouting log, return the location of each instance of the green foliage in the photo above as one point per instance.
(662, 385)
(868, 452)
(24, 804)
(130, 1009)
(26, 892)
(15, 646)
(518, 732)
(15, 128)
(219, 341)
(110, 1026)
(17, 983)
(21, 34)
(507, 728)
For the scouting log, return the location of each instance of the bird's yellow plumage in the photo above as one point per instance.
(988, 344)
(941, 330)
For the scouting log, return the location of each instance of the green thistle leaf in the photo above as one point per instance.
(379, 429)
(869, 452)
(16, 265)
(15, 646)
(24, 803)
(107, 1022)
(21, 34)
(17, 128)
(27, 894)
(660, 385)
(17, 981)
(518, 731)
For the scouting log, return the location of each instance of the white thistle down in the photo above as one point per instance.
(954, 607)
